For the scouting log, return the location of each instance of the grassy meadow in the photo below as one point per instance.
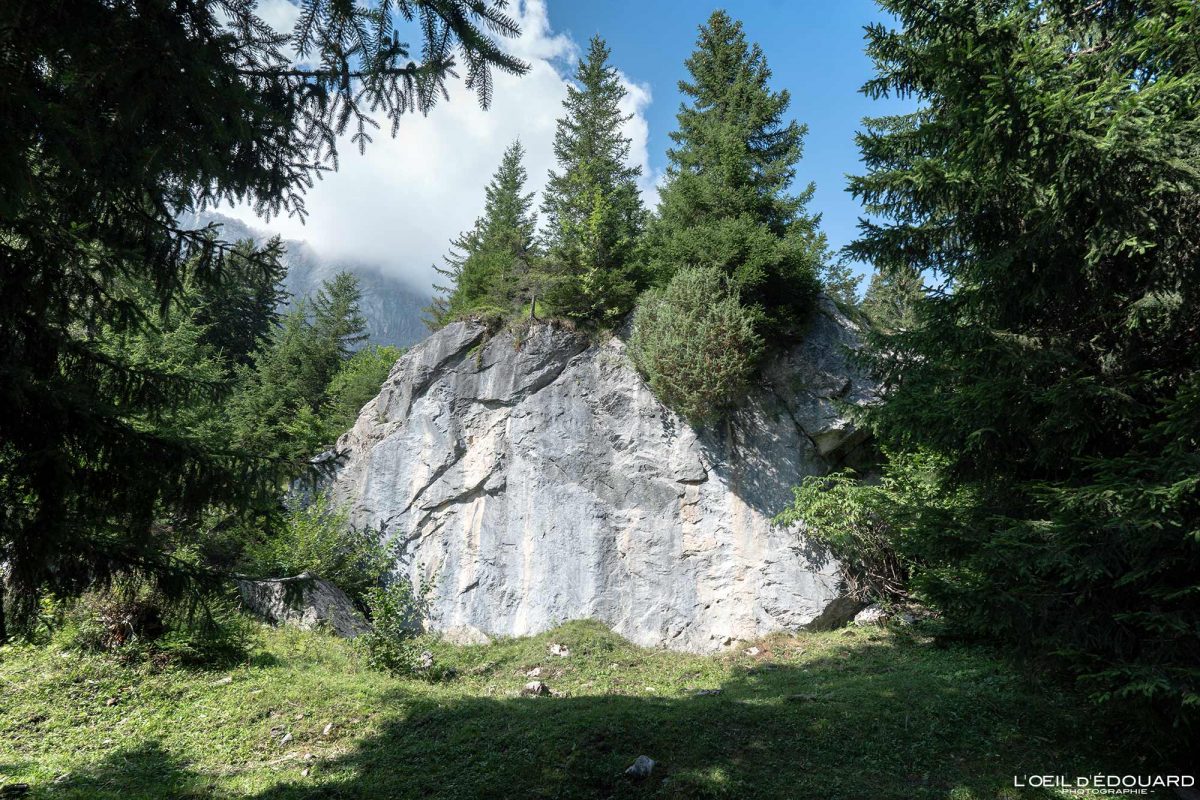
(858, 713)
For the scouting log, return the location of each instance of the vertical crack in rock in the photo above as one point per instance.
(787, 409)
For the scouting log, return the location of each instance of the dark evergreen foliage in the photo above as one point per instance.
(438, 313)
(338, 321)
(281, 407)
(839, 282)
(117, 117)
(490, 267)
(356, 383)
(725, 202)
(592, 205)
(1049, 188)
(240, 309)
(892, 298)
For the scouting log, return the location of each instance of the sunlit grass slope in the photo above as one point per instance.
(860, 713)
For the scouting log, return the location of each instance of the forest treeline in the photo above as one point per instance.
(1034, 323)
(729, 262)
(153, 406)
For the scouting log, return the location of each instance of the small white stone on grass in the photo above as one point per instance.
(871, 615)
(641, 767)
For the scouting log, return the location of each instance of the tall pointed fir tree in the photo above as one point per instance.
(725, 202)
(592, 206)
(892, 297)
(439, 312)
(1049, 189)
(489, 266)
(279, 407)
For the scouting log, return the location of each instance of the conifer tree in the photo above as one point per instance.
(892, 298)
(489, 265)
(117, 118)
(1048, 188)
(725, 202)
(357, 381)
(241, 307)
(439, 312)
(281, 405)
(275, 411)
(839, 282)
(337, 316)
(509, 229)
(592, 206)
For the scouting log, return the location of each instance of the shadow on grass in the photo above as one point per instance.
(142, 772)
(875, 721)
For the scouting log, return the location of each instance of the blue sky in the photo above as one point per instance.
(815, 50)
(399, 205)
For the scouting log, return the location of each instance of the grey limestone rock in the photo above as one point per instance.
(871, 615)
(529, 481)
(304, 601)
(839, 613)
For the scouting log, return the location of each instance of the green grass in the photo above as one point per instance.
(860, 713)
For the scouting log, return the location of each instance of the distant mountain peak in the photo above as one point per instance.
(392, 307)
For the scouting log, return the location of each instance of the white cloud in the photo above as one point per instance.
(279, 14)
(637, 100)
(399, 205)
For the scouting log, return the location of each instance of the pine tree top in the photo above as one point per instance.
(507, 206)
(488, 265)
(726, 202)
(733, 125)
(589, 135)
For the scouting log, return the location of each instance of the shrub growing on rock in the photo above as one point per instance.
(867, 524)
(695, 343)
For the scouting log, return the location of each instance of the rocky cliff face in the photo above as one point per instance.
(531, 482)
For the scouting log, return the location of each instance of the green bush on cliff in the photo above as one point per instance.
(696, 343)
